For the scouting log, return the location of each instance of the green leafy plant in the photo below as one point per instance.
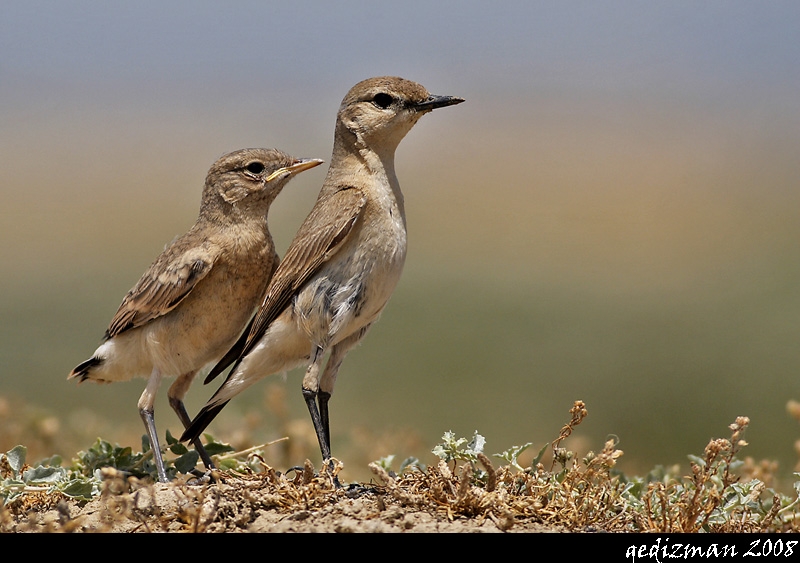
(459, 449)
(47, 476)
(385, 463)
(82, 479)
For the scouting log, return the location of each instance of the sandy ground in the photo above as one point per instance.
(252, 506)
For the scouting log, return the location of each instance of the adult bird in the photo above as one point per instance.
(193, 302)
(344, 262)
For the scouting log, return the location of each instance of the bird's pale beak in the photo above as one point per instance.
(434, 102)
(295, 168)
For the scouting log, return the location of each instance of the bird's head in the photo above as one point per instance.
(379, 111)
(250, 177)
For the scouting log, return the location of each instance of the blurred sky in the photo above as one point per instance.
(635, 160)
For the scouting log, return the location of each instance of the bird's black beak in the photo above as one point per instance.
(434, 102)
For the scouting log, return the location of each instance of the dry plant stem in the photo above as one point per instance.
(578, 412)
(584, 495)
(491, 481)
(248, 451)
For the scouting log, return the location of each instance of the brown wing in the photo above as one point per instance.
(163, 286)
(319, 238)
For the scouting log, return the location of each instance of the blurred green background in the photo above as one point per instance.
(612, 216)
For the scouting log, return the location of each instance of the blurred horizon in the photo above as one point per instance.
(611, 216)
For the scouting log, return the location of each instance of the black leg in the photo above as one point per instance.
(311, 403)
(180, 410)
(319, 417)
(323, 398)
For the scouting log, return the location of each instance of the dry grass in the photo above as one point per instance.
(464, 491)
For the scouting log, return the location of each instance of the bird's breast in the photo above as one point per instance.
(210, 318)
(352, 289)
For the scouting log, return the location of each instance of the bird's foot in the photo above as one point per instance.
(204, 477)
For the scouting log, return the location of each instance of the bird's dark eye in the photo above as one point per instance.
(255, 167)
(382, 100)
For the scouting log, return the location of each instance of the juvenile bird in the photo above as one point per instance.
(192, 303)
(344, 262)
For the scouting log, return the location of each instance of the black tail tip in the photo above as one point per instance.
(82, 370)
(201, 422)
